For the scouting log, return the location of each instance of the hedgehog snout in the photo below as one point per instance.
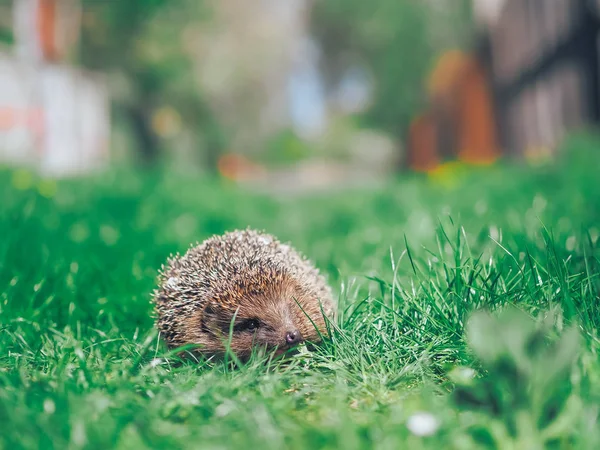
(293, 338)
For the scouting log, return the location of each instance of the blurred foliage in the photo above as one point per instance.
(158, 55)
(284, 148)
(144, 45)
(6, 32)
(112, 30)
(5, 36)
(153, 50)
(396, 41)
(525, 399)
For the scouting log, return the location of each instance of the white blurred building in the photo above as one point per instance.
(53, 117)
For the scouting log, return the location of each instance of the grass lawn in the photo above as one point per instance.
(408, 364)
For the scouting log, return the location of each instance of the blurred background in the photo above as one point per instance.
(295, 94)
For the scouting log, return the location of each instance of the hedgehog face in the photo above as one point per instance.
(264, 292)
(276, 323)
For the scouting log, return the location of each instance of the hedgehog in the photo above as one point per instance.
(242, 290)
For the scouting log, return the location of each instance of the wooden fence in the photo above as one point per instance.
(545, 71)
(534, 75)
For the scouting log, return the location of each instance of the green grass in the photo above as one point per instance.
(81, 366)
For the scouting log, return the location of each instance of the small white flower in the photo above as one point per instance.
(467, 373)
(462, 375)
(49, 406)
(172, 282)
(155, 362)
(422, 424)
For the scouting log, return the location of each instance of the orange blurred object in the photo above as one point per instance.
(423, 154)
(462, 107)
(8, 118)
(46, 20)
(31, 118)
(477, 137)
(446, 74)
(237, 167)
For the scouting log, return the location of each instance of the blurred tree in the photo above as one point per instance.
(246, 58)
(395, 41)
(5, 22)
(144, 45)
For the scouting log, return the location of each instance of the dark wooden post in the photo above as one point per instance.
(589, 58)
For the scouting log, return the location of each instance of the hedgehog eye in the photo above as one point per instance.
(252, 325)
(248, 325)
